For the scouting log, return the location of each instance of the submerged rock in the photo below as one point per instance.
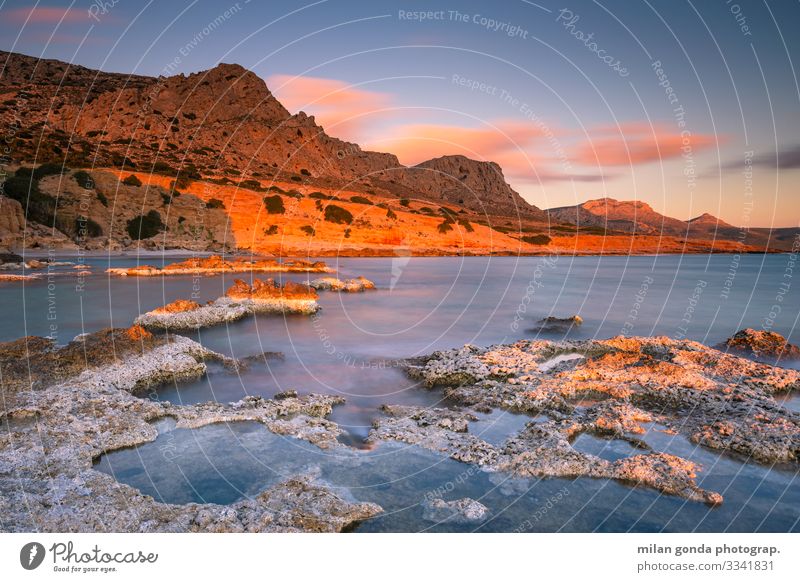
(240, 301)
(609, 388)
(539, 450)
(556, 324)
(761, 344)
(81, 409)
(356, 285)
(460, 511)
(215, 264)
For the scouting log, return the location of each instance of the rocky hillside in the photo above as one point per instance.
(636, 217)
(222, 124)
(213, 161)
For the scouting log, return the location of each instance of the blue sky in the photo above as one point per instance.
(517, 82)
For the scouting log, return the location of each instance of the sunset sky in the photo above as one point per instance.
(517, 82)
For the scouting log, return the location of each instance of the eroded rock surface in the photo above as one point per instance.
(84, 408)
(240, 301)
(761, 344)
(461, 511)
(356, 285)
(553, 324)
(539, 450)
(215, 264)
(609, 388)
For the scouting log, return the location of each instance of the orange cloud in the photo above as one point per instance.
(507, 142)
(342, 109)
(45, 15)
(638, 143)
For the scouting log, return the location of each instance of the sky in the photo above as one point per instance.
(691, 107)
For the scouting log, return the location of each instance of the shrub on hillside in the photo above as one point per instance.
(215, 203)
(537, 239)
(337, 215)
(274, 204)
(83, 179)
(146, 226)
(132, 180)
(445, 227)
(309, 230)
(360, 200)
(87, 228)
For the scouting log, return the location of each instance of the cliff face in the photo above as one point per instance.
(479, 186)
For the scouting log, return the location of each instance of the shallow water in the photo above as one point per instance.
(421, 305)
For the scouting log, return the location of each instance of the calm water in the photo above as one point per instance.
(425, 304)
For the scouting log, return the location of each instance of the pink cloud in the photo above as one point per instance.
(342, 109)
(638, 143)
(44, 15)
(507, 142)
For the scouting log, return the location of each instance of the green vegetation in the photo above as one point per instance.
(360, 200)
(215, 203)
(346, 233)
(294, 194)
(274, 204)
(405, 202)
(537, 239)
(271, 230)
(305, 172)
(390, 214)
(83, 179)
(446, 226)
(86, 227)
(146, 226)
(23, 187)
(277, 189)
(464, 223)
(102, 198)
(338, 215)
(163, 168)
(132, 180)
(309, 230)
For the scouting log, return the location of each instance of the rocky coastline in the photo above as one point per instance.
(66, 406)
(215, 265)
(78, 411)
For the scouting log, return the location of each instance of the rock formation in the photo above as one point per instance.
(83, 408)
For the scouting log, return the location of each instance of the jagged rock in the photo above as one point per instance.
(761, 344)
(460, 511)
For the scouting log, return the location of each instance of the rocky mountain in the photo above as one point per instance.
(636, 217)
(619, 215)
(188, 161)
(709, 220)
(223, 124)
